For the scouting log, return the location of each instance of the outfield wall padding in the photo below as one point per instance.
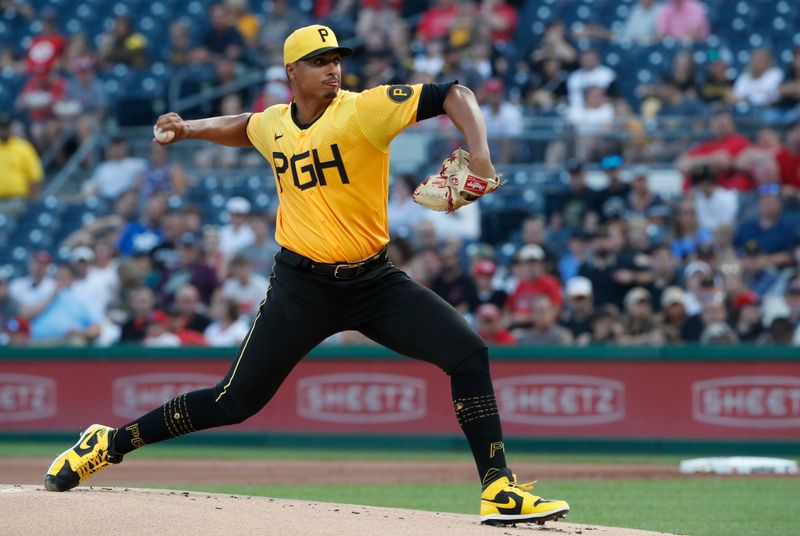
(682, 394)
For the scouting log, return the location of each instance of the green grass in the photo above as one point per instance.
(13, 449)
(695, 507)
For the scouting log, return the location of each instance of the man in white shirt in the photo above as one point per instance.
(245, 287)
(35, 288)
(503, 120)
(760, 84)
(640, 26)
(590, 74)
(119, 173)
(715, 207)
(237, 233)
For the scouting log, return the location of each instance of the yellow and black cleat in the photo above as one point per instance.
(88, 456)
(504, 501)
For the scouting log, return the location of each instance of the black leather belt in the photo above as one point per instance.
(335, 270)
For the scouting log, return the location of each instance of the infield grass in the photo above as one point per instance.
(694, 507)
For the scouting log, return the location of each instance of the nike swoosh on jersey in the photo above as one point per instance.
(278, 136)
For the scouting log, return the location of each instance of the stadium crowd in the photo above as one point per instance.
(618, 264)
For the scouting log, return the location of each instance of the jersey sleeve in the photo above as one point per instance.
(384, 111)
(256, 133)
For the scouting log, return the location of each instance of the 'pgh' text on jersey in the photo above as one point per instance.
(333, 176)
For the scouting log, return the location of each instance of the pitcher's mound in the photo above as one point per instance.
(32, 511)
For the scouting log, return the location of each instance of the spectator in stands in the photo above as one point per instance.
(790, 89)
(244, 287)
(593, 120)
(573, 206)
(673, 101)
(483, 272)
(601, 267)
(162, 175)
(86, 100)
(456, 68)
(684, 20)
(245, 22)
(534, 231)
(579, 311)
(38, 100)
(778, 332)
(13, 327)
(641, 328)
(123, 45)
(639, 28)
(165, 254)
(62, 317)
(501, 19)
(503, 121)
(143, 313)
(31, 290)
(606, 326)
(180, 50)
(791, 296)
(591, 74)
(490, 326)
(454, 285)
(715, 207)
(191, 270)
(773, 237)
(716, 329)
(222, 41)
(119, 173)
(436, 21)
(279, 20)
(687, 236)
(404, 213)
(188, 321)
(532, 281)
(663, 273)
(577, 252)
(237, 233)
(611, 201)
(211, 254)
(91, 288)
(22, 172)
(547, 89)
(643, 203)
(759, 85)
(674, 316)
(544, 328)
(261, 252)
(147, 234)
(555, 46)
(46, 49)
(717, 87)
(719, 154)
(760, 160)
(748, 316)
(158, 336)
(276, 90)
(788, 160)
(227, 327)
(79, 50)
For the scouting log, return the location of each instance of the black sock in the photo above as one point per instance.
(476, 411)
(183, 414)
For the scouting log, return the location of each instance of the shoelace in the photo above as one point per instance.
(524, 486)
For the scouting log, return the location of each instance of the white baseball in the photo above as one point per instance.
(164, 136)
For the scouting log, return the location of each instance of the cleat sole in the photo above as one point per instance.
(501, 521)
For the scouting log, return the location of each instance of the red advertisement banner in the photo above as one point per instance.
(580, 399)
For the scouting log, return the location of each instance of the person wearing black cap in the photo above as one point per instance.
(21, 169)
(572, 206)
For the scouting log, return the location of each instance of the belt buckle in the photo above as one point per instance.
(336, 270)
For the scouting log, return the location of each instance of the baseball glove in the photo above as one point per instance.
(455, 185)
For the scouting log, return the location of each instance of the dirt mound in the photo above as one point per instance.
(31, 511)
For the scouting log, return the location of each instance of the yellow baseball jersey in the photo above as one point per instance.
(333, 176)
(21, 167)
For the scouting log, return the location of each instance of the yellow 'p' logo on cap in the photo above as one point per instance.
(309, 41)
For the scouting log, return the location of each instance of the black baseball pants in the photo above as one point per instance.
(303, 308)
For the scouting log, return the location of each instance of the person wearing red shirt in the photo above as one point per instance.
(46, 48)
(39, 98)
(718, 153)
(502, 19)
(435, 22)
(788, 158)
(533, 281)
(490, 328)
